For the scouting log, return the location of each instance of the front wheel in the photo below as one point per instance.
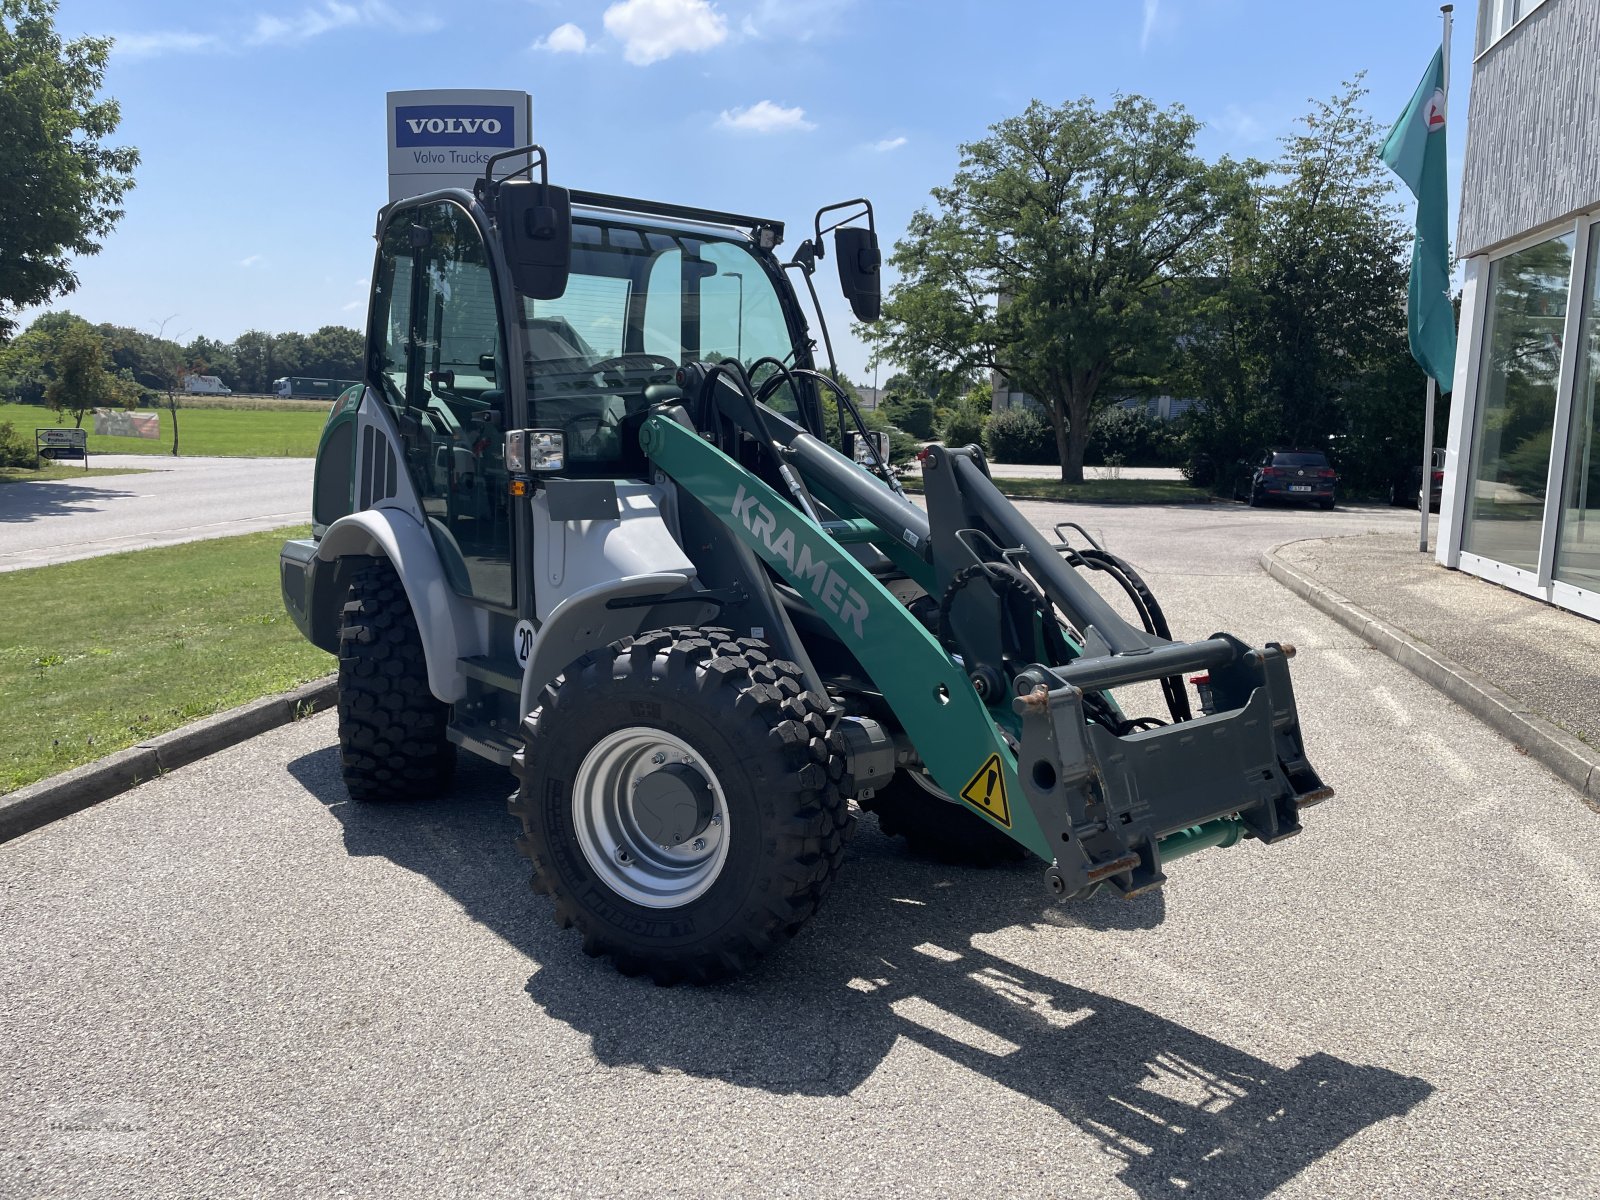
(682, 802)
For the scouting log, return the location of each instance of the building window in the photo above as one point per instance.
(1578, 550)
(1517, 402)
(1496, 18)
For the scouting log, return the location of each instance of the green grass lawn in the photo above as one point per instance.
(1094, 491)
(101, 654)
(232, 432)
(61, 471)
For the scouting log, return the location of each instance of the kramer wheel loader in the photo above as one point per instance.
(582, 518)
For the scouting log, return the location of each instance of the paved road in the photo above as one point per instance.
(178, 500)
(1031, 471)
(233, 982)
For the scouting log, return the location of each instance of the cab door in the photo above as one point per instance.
(442, 364)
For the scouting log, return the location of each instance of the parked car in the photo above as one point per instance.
(1407, 487)
(1292, 475)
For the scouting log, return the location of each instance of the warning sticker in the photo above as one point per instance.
(987, 791)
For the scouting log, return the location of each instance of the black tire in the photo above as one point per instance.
(938, 829)
(1256, 499)
(1325, 505)
(754, 732)
(392, 743)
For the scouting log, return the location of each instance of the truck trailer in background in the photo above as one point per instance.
(299, 387)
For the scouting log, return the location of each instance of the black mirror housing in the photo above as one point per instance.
(535, 223)
(859, 270)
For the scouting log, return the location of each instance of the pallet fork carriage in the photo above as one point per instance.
(583, 518)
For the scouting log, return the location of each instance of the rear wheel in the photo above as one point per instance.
(682, 802)
(910, 806)
(392, 743)
(1256, 498)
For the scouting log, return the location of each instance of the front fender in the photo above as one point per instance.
(451, 628)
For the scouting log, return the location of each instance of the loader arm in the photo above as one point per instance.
(1096, 806)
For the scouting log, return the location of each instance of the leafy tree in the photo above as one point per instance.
(1297, 333)
(252, 350)
(82, 381)
(1051, 255)
(965, 424)
(335, 352)
(914, 414)
(62, 186)
(28, 361)
(206, 356)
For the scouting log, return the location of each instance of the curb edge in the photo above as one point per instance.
(38, 804)
(1572, 761)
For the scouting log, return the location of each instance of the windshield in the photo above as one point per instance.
(640, 302)
(1309, 459)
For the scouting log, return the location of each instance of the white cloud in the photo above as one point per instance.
(250, 261)
(888, 144)
(651, 30)
(353, 306)
(1152, 11)
(331, 15)
(169, 41)
(765, 117)
(564, 39)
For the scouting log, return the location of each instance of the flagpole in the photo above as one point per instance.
(1425, 490)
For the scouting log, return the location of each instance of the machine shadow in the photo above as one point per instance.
(892, 955)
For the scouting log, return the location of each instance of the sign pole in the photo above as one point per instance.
(1447, 11)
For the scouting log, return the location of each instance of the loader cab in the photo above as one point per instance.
(645, 296)
(461, 357)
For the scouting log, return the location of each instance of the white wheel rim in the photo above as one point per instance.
(631, 864)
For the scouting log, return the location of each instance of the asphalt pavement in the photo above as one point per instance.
(1034, 471)
(234, 982)
(175, 500)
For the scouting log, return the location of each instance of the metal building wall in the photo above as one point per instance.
(1533, 127)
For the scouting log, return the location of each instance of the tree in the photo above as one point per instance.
(82, 381)
(28, 361)
(207, 356)
(1051, 255)
(1297, 333)
(62, 186)
(335, 352)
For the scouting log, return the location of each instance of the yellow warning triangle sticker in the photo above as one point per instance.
(986, 791)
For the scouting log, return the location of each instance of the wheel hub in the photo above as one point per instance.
(673, 805)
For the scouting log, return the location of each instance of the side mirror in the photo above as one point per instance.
(535, 221)
(857, 251)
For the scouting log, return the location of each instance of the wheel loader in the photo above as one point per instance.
(585, 517)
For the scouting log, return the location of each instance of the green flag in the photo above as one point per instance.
(1415, 152)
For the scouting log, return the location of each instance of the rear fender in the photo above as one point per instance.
(451, 628)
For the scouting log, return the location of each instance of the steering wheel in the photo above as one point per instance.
(624, 362)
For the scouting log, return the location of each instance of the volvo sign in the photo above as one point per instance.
(442, 139)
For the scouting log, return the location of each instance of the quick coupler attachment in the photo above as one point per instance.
(1116, 807)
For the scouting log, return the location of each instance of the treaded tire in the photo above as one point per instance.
(939, 829)
(766, 741)
(392, 743)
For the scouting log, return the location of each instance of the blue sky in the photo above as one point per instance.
(261, 122)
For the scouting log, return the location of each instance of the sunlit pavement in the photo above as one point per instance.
(233, 982)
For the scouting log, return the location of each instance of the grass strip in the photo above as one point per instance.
(1093, 491)
(100, 654)
(227, 432)
(61, 470)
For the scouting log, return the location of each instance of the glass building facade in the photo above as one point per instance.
(1522, 474)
